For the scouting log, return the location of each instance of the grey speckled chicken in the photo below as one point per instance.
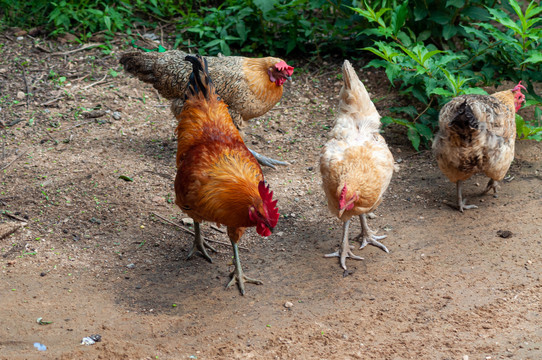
(476, 134)
(249, 86)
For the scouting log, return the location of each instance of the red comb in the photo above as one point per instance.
(519, 87)
(281, 65)
(267, 198)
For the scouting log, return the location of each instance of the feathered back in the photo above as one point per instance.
(356, 110)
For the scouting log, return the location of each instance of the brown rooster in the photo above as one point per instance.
(249, 86)
(218, 179)
(356, 164)
(477, 133)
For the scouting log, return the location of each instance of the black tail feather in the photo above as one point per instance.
(465, 118)
(200, 81)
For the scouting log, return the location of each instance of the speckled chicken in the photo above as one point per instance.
(476, 134)
(356, 164)
(249, 86)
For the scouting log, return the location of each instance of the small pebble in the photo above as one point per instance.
(116, 115)
(20, 95)
(131, 266)
(187, 221)
(280, 233)
(288, 304)
(371, 215)
(465, 357)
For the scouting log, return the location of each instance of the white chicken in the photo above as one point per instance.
(356, 164)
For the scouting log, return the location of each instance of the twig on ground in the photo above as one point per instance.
(26, 86)
(52, 101)
(89, 46)
(77, 125)
(14, 217)
(214, 227)
(96, 83)
(12, 161)
(192, 233)
(43, 49)
(51, 136)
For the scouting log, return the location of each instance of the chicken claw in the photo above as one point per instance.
(346, 249)
(461, 203)
(237, 275)
(368, 236)
(266, 161)
(491, 184)
(200, 244)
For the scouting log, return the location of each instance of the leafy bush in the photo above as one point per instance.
(269, 26)
(426, 68)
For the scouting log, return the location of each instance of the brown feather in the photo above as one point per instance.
(487, 146)
(242, 83)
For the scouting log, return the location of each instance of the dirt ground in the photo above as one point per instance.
(97, 257)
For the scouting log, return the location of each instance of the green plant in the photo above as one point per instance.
(433, 75)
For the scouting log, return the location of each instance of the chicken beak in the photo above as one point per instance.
(341, 212)
(289, 78)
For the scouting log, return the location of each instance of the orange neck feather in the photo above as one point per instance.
(256, 72)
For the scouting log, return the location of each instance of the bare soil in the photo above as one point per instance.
(96, 257)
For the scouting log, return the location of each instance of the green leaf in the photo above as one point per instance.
(475, 90)
(212, 43)
(476, 13)
(414, 137)
(430, 54)
(405, 39)
(517, 9)
(442, 92)
(420, 13)
(535, 58)
(448, 31)
(424, 35)
(455, 3)
(501, 17)
(265, 5)
(440, 17)
(107, 21)
(399, 17)
(409, 110)
(125, 178)
(424, 130)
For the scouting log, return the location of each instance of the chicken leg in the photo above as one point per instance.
(491, 184)
(461, 203)
(345, 250)
(200, 244)
(266, 161)
(368, 237)
(237, 275)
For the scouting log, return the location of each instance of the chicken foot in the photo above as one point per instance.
(345, 250)
(461, 203)
(491, 184)
(266, 161)
(237, 275)
(200, 244)
(368, 237)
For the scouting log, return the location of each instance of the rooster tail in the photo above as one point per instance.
(355, 100)
(200, 82)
